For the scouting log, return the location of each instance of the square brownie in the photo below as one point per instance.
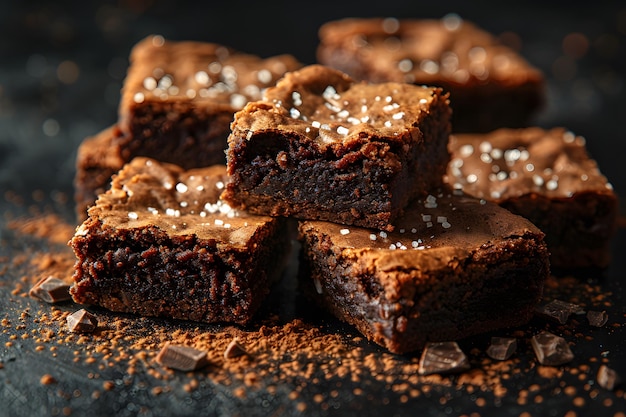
(159, 242)
(323, 146)
(179, 97)
(490, 84)
(455, 266)
(547, 176)
(177, 103)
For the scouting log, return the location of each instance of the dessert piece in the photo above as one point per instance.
(177, 104)
(323, 146)
(161, 243)
(490, 84)
(455, 266)
(550, 349)
(179, 98)
(51, 290)
(559, 311)
(442, 358)
(182, 358)
(548, 177)
(597, 318)
(82, 321)
(502, 348)
(607, 378)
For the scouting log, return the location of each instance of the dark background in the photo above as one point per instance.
(62, 64)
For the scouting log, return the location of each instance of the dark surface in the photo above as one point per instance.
(61, 67)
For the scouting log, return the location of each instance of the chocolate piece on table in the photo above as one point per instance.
(551, 349)
(51, 290)
(82, 321)
(559, 310)
(182, 358)
(597, 318)
(490, 84)
(160, 242)
(502, 348)
(234, 349)
(547, 176)
(607, 378)
(178, 100)
(323, 146)
(442, 358)
(453, 267)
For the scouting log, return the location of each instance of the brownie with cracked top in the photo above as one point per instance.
(323, 146)
(490, 84)
(547, 176)
(160, 242)
(454, 266)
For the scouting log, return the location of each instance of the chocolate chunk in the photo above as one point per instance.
(234, 349)
(501, 348)
(607, 378)
(183, 358)
(442, 357)
(559, 310)
(551, 349)
(82, 321)
(597, 318)
(51, 290)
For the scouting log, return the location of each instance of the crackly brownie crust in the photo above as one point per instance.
(455, 266)
(161, 243)
(490, 84)
(323, 146)
(547, 176)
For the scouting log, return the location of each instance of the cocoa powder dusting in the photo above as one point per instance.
(320, 367)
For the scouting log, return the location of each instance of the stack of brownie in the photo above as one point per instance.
(177, 103)
(160, 242)
(410, 232)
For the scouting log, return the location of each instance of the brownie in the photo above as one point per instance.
(98, 157)
(323, 146)
(490, 84)
(455, 266)
(159, 242)
(547, 176)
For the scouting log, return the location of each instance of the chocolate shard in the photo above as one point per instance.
(82, 321)
(551, 349)
(559, 310)
(502, 348)
(182, 358)
(597, 318)
(234, 349)
(51, 290)
(442, 357)
(607, 378)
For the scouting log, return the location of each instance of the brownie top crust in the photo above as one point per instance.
(333, 110)
(428, 51)
(432, 232)
(148, 193)
(207, 74)
(514, 162)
